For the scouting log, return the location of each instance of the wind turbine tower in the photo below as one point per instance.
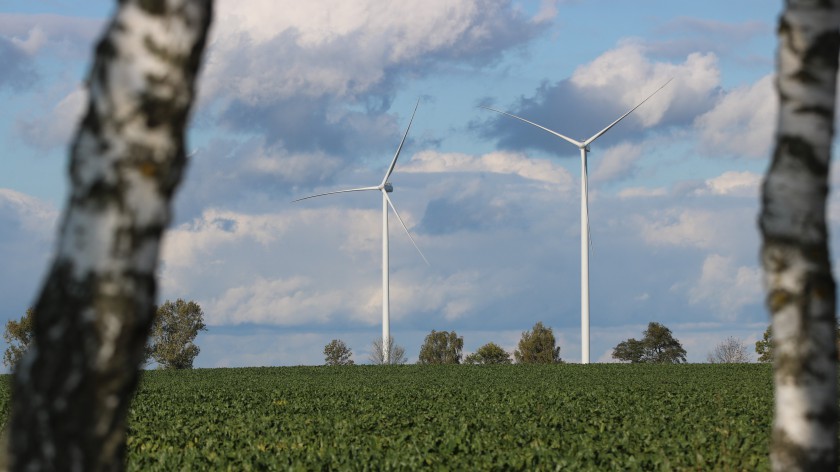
(385, 188)
(584, 215)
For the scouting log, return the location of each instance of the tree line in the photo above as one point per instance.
(176, 325)
(170, 344)
(536, 346)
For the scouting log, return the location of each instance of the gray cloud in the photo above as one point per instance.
(601, 91)
(315, 72)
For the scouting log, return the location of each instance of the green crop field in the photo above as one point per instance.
(519, 417)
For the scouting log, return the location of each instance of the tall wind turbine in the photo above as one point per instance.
(584, 215)
(385, 188)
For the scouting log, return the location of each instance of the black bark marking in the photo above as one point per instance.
(62, 392)
(153, 7)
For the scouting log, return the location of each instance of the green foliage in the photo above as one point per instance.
(175, 328)
(441, 347)
(515, 417)
(397, 352)
(490, 353)
(538, 346)
(764, 346)
(658, 346)
(18, 335)
(337, 353)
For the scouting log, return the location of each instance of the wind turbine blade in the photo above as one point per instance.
(361, 189)
(397, 154)
(576, 143)
(391, 204)
(599, 133)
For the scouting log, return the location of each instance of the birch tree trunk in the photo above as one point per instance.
(72, 390)
(795, 253)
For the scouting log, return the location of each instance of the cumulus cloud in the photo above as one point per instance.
(642, 192)
(34, 33)
(270, 50)
(617, 163)
(742, 122)
(27, 212)
(499, 162)
(623, 71)
(732, 183)
(726, 287)
(285, 302)
(283, 65)
(27, 228)
(687, 228)
(23, 38)
(55, 129)
(599, 92)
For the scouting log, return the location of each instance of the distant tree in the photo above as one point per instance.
(764, 346)
(337, 353)
(658, 346)
(490, 353)
(18, 334)
(397, 352)
(174, 329)
(537, 346)
(729, 351)
(441, 347)
(631, 350)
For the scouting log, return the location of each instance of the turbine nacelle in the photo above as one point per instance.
(388, 187)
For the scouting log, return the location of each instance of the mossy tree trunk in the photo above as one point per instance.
(71, 391)
(795, 253)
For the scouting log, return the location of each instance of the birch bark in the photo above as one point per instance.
(72, 390)
(795, 253)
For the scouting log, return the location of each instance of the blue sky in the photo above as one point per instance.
(298, 98)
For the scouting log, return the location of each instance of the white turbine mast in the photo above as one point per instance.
(584, 214)
(385, 188)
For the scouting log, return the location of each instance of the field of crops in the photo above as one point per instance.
(567, 417)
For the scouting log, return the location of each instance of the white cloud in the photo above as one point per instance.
(35, 39)
(642, 192)
(626, 72)
(34, 215)
(453, 296)
(732, 183)
(499, 162)
(684, 228)
(270, 50)
(725, 287)
(742, 122)
(216, 229)
(182, 246)
(291, 167)
(55, 129)
(285, 302)
(617, 162)
(32, 32)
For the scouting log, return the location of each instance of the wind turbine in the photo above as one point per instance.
(385, 188)
(584, 215)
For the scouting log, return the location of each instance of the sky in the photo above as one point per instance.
(297, 98)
